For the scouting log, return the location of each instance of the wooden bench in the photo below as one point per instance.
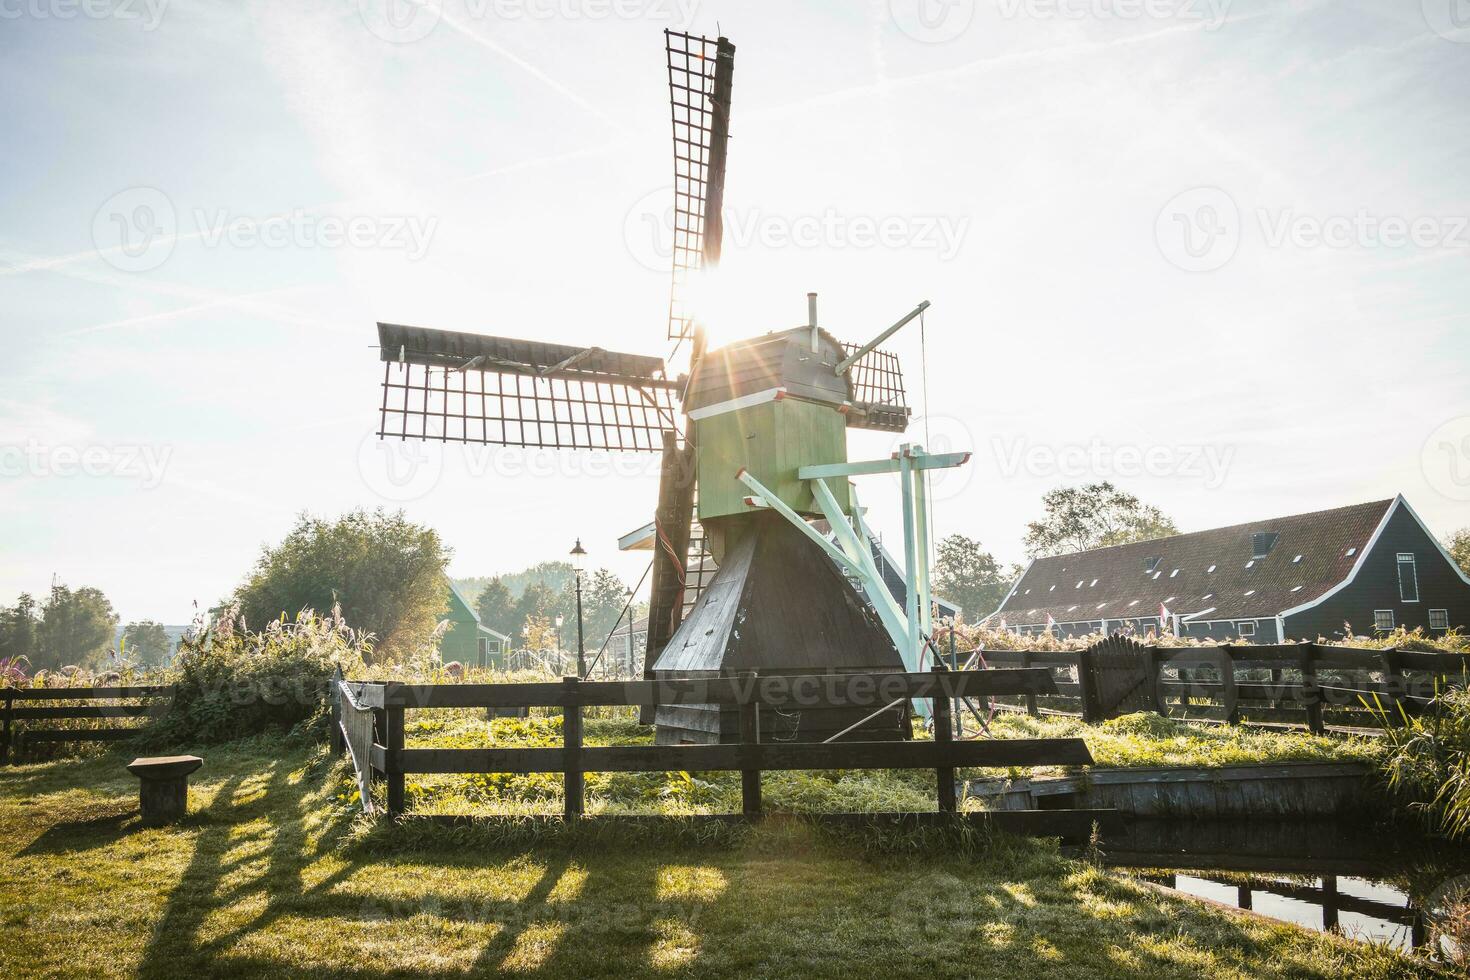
(164, 792)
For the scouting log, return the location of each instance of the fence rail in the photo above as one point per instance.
(14, 741)
(1289, 683)
(389, 759)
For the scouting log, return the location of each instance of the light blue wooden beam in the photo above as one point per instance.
(917, 460)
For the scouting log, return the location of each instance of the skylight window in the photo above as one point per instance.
(1297, 560)
(1174, 573)
(1251, 592)
(1052, 589)
(1150, 565)
(1080, 581)
(1211, 569)
(1208, 597)
(1133, 603)
(1251, 563)
(1156, 575)
(1169, 600)
(1262, 542)
(1297, 589)
(1101, 604)
(1071, 609)
(1093, 585)
(1351, 552)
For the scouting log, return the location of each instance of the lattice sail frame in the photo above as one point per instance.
(877, 392)
(471, 388)
(437, 404)
(699, 124)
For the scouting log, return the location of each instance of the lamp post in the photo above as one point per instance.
(579, 556)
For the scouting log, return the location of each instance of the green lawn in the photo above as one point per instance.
(271, 876)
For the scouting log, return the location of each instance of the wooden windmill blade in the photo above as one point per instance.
(878, 399)
(701, 76)
(439, 385)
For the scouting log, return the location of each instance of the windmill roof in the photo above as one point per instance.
(1217, 570)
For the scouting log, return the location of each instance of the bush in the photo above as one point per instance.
(231, 683)
(1428, 766)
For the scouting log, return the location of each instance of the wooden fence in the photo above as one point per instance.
(391, 760)
(27, 706)
(1291, 683)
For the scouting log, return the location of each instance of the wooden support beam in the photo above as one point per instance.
(394, 745)
(944, 735)
(750, 775)
(918, 461)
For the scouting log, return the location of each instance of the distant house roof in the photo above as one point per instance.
(475, 616)
(1245, 571)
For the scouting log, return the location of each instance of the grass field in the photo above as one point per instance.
(272, 876)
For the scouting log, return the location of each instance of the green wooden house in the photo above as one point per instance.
(468, 640)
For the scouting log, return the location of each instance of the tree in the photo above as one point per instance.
(1098, 515)
(496, 608)
(385, 572)
(146, 641)
(538, 601)
(966, 574)
(20, 629)
(1459, 548)
(76, 627)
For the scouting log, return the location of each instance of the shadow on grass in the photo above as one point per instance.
(85, 835)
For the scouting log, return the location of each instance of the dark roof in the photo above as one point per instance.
(1240, 587)
(775, 360)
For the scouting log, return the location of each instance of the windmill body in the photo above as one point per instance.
(755, 431)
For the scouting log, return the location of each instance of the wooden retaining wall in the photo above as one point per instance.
(1289, 789)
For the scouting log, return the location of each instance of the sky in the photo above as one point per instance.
(1212, 251)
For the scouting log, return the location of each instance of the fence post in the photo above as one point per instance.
(1228, 693)
(944, 735)
(750, 736)
(5, 728)
(339, 743)
(1030, 698)
(1087, 687)
(1155, 658)
(1311, 691)
(394, 745)
(571, 731)
(1395, 684)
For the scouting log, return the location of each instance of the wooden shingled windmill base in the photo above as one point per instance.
(755, 432)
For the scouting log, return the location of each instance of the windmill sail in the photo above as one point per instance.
(877, 392)
(701, 72)
(461, 387)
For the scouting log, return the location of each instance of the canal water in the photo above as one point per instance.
(1369, 883)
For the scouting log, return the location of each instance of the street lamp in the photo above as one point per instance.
(579, 558)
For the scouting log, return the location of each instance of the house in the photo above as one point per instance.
(1374, 566)
(468, 640)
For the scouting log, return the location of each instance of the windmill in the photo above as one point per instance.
(754, 447)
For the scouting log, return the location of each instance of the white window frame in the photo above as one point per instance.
(1384, 612)
(1242, 630)
(1407, 558)
(1444, 614)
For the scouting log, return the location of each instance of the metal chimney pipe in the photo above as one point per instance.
(811, 318)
